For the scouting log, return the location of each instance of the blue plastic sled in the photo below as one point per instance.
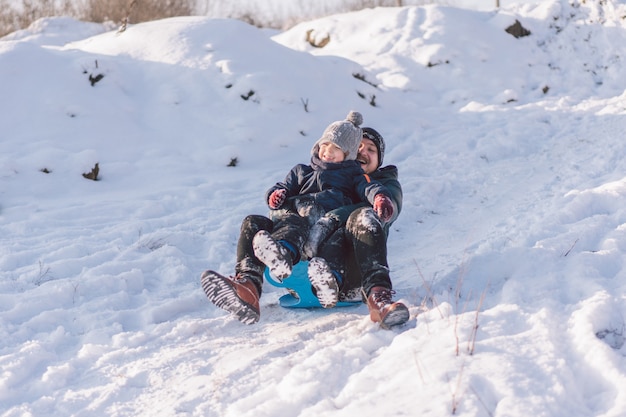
(299, 283)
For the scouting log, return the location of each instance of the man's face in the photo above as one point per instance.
(367, 156)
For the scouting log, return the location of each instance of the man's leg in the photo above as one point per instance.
(369, 243)
(240, 294)
(248, 264)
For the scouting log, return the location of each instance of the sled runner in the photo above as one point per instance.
(301, 293)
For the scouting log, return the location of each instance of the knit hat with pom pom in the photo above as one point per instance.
(346, 134)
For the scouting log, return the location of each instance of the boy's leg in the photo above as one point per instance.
(293, 229)
(324, 281)
(280, 250)
(327, 270)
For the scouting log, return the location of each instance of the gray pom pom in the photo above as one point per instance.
(355, 117)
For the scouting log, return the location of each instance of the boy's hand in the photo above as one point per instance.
(277, 198)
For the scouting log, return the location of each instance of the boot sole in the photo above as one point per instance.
(221, 292)
(324, 282)
(268, 251)
(397, 317)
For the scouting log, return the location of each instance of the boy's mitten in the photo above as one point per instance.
(277, 198)
(383, 207)
(319, 232)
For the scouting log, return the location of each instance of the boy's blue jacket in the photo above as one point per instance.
(330, 185)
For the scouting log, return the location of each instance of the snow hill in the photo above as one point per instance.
(510, 250)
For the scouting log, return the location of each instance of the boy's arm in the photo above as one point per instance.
(291, 184)
(392, 185)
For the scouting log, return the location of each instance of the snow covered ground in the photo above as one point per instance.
(510, 249)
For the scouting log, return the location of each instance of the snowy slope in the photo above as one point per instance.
(509, 249)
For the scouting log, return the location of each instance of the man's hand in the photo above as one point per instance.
(383, 207)
(277, 198)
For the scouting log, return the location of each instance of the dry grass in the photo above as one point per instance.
(121, 12)
(19, 15)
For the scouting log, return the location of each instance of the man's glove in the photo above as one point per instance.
(319, 232)
(383, 207)
(277, 198)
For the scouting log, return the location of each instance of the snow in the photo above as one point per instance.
(510, 250)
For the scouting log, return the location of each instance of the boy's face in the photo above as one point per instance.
(367, 156)
(329, 152)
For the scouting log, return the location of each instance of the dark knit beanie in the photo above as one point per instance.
(346, 134)
(378, 140)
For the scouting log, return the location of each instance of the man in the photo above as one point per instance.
(356, 253)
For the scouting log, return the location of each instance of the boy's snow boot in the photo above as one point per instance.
(273, 254)
(384, 311)
(324, 282)
(238, 295)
